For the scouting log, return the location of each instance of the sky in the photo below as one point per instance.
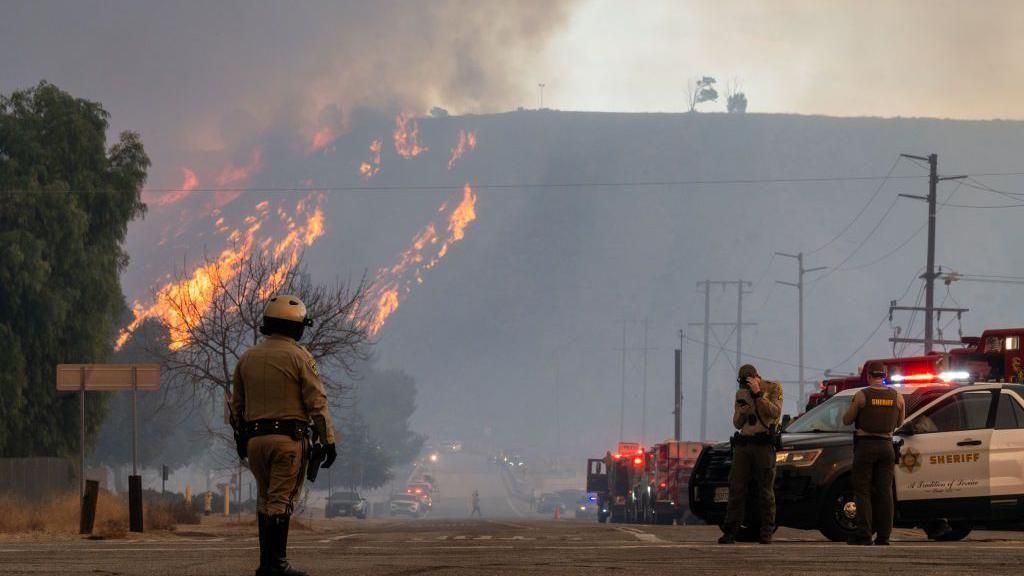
(934, 58)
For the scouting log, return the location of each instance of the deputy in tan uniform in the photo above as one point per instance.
(756, 414)
(276, 397)
(878, 411)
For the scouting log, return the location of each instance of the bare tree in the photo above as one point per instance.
(213, 321)
(735, 99)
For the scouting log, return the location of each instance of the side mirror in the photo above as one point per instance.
(786, 419)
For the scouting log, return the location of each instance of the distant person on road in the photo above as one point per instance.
(756, 416)
(877, 411)
(476, 505)
(277, 396)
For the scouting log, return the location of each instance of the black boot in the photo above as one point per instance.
(728, 535)
(263, 522)
(279, 547)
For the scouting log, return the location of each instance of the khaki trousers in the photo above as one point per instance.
(278, 462)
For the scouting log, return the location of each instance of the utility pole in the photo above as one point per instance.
(678, 396)
(929, 273)
(741, 286)
(622, 404)
(643, 395)
(541, 86)
(799, 285)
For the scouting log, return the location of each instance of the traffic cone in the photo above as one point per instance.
(558, 512)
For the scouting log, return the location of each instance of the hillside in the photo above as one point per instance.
(545, 275)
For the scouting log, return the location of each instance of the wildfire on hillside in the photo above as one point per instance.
(304, 225)
(393, 284)
(467, 142)
(370, 169)
(406, 136)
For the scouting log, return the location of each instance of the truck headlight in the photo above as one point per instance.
(799, 458)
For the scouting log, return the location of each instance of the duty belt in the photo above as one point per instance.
(756, 439)
(295, 428)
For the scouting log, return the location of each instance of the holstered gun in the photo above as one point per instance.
(317, 455)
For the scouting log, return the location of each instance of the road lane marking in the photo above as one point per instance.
(641, 535)
(339, 537)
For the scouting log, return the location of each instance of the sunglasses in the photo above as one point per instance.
(877, 374)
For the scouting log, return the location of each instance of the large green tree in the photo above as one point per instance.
(65, 202)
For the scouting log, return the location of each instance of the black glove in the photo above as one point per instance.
(332, 454)
(241, 444)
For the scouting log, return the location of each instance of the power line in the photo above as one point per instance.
(510, 186)
(755, 356)
(862, 210)
(880, 324)
(501, 186)
(898, 247)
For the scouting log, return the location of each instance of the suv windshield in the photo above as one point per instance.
(825, 417)
(828, 416)
(344, 497)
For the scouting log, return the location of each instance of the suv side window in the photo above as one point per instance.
(1010, 415)
(965, 411)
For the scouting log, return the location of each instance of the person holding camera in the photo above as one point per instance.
(877, 411)
(756, 416)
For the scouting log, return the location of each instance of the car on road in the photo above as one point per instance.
(345, 504)
(405, 505)
(548, 501)
(960, 455)
(586, 507)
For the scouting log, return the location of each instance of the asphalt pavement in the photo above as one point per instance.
(503, 546)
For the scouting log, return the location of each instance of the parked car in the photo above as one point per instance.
(346, 504)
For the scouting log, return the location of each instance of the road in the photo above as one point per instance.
(509, 540)
(445, 546)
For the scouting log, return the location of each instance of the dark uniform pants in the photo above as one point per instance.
(753, 468)
(873, 469)
(278, 464)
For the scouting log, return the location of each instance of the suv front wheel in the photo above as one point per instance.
(838, 518)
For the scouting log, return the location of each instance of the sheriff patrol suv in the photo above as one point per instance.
(961, 464)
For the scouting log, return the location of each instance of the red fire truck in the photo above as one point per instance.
(611, 479)
(934, 363)
(648, 487)
(661, 495)
(995, 356)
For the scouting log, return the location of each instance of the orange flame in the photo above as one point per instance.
(467, 142)
(393, 284)
(201, 287)
(370, 169)
(237, 175)
(406, 137)
(188, 184)
(322, 138)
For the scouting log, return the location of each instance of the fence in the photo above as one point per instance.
(37, 478)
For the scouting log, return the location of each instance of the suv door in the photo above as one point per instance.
(944, 465)
(1007, 457)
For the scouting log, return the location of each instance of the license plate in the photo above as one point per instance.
(722, 494)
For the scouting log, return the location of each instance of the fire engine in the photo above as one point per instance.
(644, 486)
(611, 479)
(995, 356)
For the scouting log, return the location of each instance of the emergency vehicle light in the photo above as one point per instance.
(928, 377)
(638, 461)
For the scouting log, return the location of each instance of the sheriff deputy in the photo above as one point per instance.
(877, 411)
